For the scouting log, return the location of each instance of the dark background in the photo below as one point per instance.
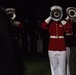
(35, 8)
(34, 11)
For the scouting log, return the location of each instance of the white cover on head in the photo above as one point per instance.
(55, 7)
(70, 8)
(11, 9)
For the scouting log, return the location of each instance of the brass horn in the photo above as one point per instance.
(71, 12)
(56, 13)
(11, 13)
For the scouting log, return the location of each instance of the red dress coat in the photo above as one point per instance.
(57, 30)
(71, 40)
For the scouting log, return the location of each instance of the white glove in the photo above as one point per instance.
(16, 23)
(67, 18)
(63, 22)
(48, 19)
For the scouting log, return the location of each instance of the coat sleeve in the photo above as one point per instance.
(68, 28)
(44, 25)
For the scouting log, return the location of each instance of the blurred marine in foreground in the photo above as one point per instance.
(8, 51)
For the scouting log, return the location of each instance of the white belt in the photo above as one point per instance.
(56, 37)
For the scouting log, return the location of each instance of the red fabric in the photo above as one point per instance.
(20, 26)
(68, 27)
(44, 25)
(56, 44)
(71, 40)
(57, 29)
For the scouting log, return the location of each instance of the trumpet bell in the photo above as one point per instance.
(71, 12)
(56, 13)
(11, 13)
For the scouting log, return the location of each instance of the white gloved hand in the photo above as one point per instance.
(48, 19)
(16, 23)
(67, 18)
(63, 22)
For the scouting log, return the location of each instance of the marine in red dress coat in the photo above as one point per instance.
(57, 47)
(57, 30)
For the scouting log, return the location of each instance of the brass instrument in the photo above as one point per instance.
(56, 13)
(71, 12)
(11, 13)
